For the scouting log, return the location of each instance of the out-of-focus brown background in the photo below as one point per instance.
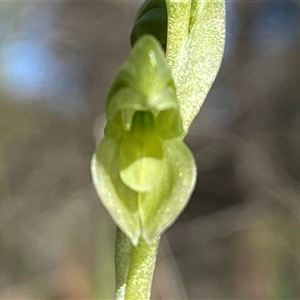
(239, 237)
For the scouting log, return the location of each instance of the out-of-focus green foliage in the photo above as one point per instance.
(151, 19)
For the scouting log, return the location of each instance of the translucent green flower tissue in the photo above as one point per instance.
(142, 170)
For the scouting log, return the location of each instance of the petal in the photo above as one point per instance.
(118, 199)
(161, 207)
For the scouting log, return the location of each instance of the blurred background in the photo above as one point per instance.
(239, 237)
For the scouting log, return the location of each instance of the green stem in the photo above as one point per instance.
(134, 268)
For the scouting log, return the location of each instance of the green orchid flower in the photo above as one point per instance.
(142, 170)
